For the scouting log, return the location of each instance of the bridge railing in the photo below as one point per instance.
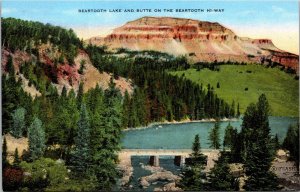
(165, 150)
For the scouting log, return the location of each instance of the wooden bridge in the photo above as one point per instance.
(179, 155)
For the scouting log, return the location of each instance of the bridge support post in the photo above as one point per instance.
(154, 160)
(179, 160)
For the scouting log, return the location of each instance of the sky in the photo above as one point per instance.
(276, 20)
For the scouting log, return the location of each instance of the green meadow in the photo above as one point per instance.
(244, 84)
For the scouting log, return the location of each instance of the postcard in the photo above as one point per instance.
(150, 95)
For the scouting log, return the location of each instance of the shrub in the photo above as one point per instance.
(12, 178)
(44, 172)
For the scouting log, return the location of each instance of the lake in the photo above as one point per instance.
(181, 136)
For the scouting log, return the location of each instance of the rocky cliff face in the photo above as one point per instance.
(200, 40)
(66, 75)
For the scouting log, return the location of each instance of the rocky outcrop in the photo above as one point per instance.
(200, 40)
(127, 171)
(168, 187)
(60, 72)
(158, 176)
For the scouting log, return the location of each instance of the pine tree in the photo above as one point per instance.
(18, 126)
(104, 156)
(276, 142)
(10, 66)
(236, 146)
(63, 93)
(80, 95)
(238, 113)
(4, 154)
(73, 113)
(17, 160)
(193, 178)
(232, 109)
(97, 121)
(125, 111)
(80, 157)
(220, 178)
(291, 143)
(228, 137)
(196, 146)
(214, 136)
(258, 151)
(36, 137)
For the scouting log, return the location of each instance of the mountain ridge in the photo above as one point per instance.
(199, 40)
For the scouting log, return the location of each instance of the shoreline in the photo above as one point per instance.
(180, 122)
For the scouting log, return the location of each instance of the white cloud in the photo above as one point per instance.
(8, 10)
(283, 12)
(277, 9)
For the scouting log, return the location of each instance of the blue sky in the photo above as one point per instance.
(255, 18)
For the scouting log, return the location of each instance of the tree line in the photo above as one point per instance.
(159, 96)
(24, 35)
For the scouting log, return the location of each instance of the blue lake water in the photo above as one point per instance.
(181, 136)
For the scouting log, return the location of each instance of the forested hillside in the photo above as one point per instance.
(18, 34)
(41, 53)
(159, 96)
(84, 128)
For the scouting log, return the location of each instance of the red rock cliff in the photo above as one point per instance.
(207, 41)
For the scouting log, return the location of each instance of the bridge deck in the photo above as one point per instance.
(166, 152)
(126, 154)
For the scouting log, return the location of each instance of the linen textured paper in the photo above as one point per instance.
(150, 95)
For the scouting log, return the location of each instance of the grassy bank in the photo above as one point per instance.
(244, 84)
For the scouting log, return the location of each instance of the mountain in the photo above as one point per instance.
(43, 54)
(199, 40)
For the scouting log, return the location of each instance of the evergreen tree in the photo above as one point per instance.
(80, 158)
(4, 154)
(105, 158)
(63, 93)
(36, 137)
(74, 116)
(258, 151)
(232, 109)
(236, 146)
(10, 66)
(291, 143)
(17, 160)
(276, 142)
(228, 137)
(125, 111)
(80, 95)
(196, 146)
(11, 97)
(220, 177)
(193, 178)
(238, 113)
(96, 107)
(214, 136)
(18, 126)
